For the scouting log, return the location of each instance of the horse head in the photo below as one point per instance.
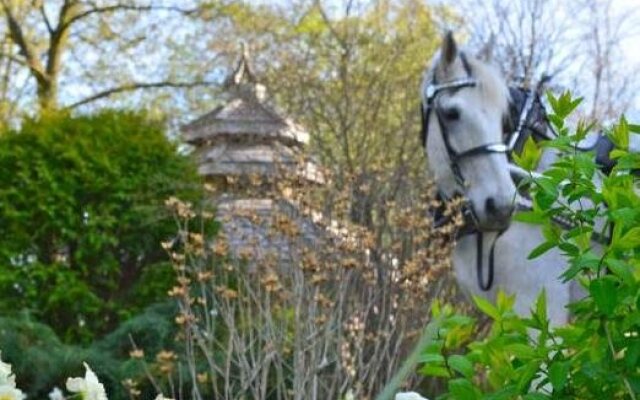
(465, 103)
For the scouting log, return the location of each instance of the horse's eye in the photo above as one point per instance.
(451, 113)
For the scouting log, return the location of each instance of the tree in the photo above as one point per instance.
(527, 37)
(82, 217)
(70, 53)
(608, 83)
(578, 44)
(350, 74)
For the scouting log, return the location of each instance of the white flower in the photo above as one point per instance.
(56, 394)
(89, 387)
(6, 377)
(9, 392)
(159, 397)
(409, 396)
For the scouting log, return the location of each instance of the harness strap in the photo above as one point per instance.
(524, 115)
(486, 149)
(486, 286)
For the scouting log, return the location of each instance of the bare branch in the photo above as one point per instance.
(330, 26)
(17, 36)
(121, 7)
(45, 18)
(13, 59)
(58, 38)
(131, 87)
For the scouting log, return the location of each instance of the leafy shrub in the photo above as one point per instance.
(82, 218)
(597, 356)
(41, 361)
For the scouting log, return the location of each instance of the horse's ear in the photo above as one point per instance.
(486, 53)
(449, 49)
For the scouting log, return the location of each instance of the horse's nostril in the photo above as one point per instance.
(490, 206)
(497, 210)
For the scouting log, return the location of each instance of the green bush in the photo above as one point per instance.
(597, 355)
(82, 218)
(41, 361)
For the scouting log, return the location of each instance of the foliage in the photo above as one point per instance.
(349, 74)
(41, 361)
(598, 354)
(298, 300)
(82, 217)
(62, 53)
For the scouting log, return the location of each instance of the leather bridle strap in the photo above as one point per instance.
(531, 98)
(524, 115)
(431, 92)
(485, 286)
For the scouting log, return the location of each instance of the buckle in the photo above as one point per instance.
(430, 91)
(497, 148)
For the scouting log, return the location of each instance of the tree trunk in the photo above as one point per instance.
(47, 96)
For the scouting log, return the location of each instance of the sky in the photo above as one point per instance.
(630, 45)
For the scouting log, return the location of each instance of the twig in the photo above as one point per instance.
(138, 86)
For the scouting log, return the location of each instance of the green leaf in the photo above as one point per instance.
(629, 240)
(622, 270)
(604, 292)
(431, 358)
(619, 134)
(435, 308)
(486, 307)
(548, 186)
(520, 350)
(541, 307)
(462, 389)
(529, 158)
(632, 354)
(559, 374)
(629, 161)
(564, 105)
(434, 370)
(569, 248)
(508, 392)
(527, 373)
(634, 128)
(504, 302)
(616, 153)
(529, 217)
(535, 396)
(462, 365)
(540, 250)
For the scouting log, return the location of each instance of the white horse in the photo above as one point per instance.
(465, 105)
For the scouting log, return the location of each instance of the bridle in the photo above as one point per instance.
(512, 140)
(520, 116)
(431, 93)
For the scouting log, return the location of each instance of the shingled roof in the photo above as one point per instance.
(246, 135)
(245, 114)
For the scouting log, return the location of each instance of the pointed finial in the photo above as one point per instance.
(242, 81)
(243, 72)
